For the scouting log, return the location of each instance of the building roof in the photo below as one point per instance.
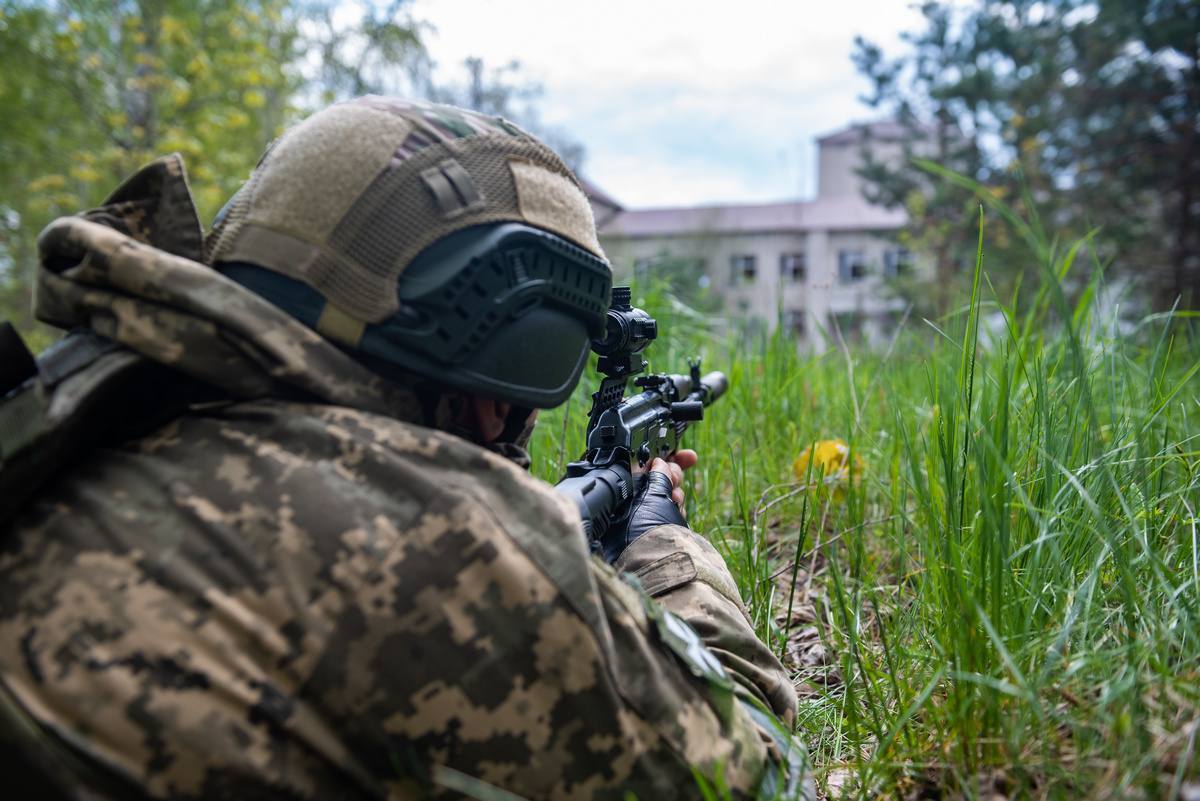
(840, 214)
(887, 130)
(597, 195)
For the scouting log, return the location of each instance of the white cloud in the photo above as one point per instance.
(681, 102)
(663, 183)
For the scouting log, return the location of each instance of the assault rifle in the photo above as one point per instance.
(623, 431)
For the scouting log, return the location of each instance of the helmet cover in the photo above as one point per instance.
(427, 238)
(345, 200)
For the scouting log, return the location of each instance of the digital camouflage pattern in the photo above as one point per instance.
(306, 590)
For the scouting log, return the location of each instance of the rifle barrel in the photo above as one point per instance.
(714, 385)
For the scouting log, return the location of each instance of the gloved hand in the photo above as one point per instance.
(655, 503)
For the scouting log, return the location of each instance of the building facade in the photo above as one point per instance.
(809, 265)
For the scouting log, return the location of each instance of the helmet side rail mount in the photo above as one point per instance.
(501, 310)
(465, 287)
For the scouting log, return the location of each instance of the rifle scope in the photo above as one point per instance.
(627, 330)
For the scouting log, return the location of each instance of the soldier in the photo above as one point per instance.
(269, 534)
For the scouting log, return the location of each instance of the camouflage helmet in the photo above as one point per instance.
(429, 239)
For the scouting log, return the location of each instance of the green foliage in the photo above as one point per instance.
(1010, 595)
(685, 279)
(93, 90)
(1083, 113)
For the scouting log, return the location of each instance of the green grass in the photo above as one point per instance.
(1009, 594)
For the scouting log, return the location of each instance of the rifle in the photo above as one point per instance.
(621, 431)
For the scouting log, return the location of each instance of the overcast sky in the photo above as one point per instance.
(681, 103)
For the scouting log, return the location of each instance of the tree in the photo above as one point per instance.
(1084, 114)
(379, 52)
(1132, 135)
(505, 91)
(924, 92)
(94, 89)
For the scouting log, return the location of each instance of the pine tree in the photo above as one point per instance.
(1084, 115)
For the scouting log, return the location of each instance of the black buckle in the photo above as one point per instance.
(17, 364)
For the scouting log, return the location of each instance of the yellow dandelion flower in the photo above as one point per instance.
(828, 462)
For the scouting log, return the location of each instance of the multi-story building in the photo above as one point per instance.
(808, 263)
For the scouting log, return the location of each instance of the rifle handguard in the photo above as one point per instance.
(599, 493)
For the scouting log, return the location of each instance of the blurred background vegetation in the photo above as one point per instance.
(1082, 115)
(93, 89)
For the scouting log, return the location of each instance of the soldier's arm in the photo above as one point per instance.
(684, 573)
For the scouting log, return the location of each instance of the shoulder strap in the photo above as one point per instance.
(85, 392)
(16, 362)
(49, 766)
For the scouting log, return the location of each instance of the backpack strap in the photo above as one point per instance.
(70, 355)
(49, 766)
(17, 364)
(86, 392)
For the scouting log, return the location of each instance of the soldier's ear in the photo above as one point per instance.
(489, 417)
(518, 427)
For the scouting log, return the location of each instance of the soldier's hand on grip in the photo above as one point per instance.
(657, 502)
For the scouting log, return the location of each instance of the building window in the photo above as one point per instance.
(794, 320)
(852, 266)
(743, 269)
(897, 262)
(793, 267)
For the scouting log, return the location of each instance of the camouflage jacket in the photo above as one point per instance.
(303, 589)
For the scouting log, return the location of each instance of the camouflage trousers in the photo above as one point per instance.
(300, 601)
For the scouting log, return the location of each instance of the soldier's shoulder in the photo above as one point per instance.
(319, 462)
(396, 457)
(393, 439)
(454, 468)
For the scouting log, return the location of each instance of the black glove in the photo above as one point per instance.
(651, 507)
